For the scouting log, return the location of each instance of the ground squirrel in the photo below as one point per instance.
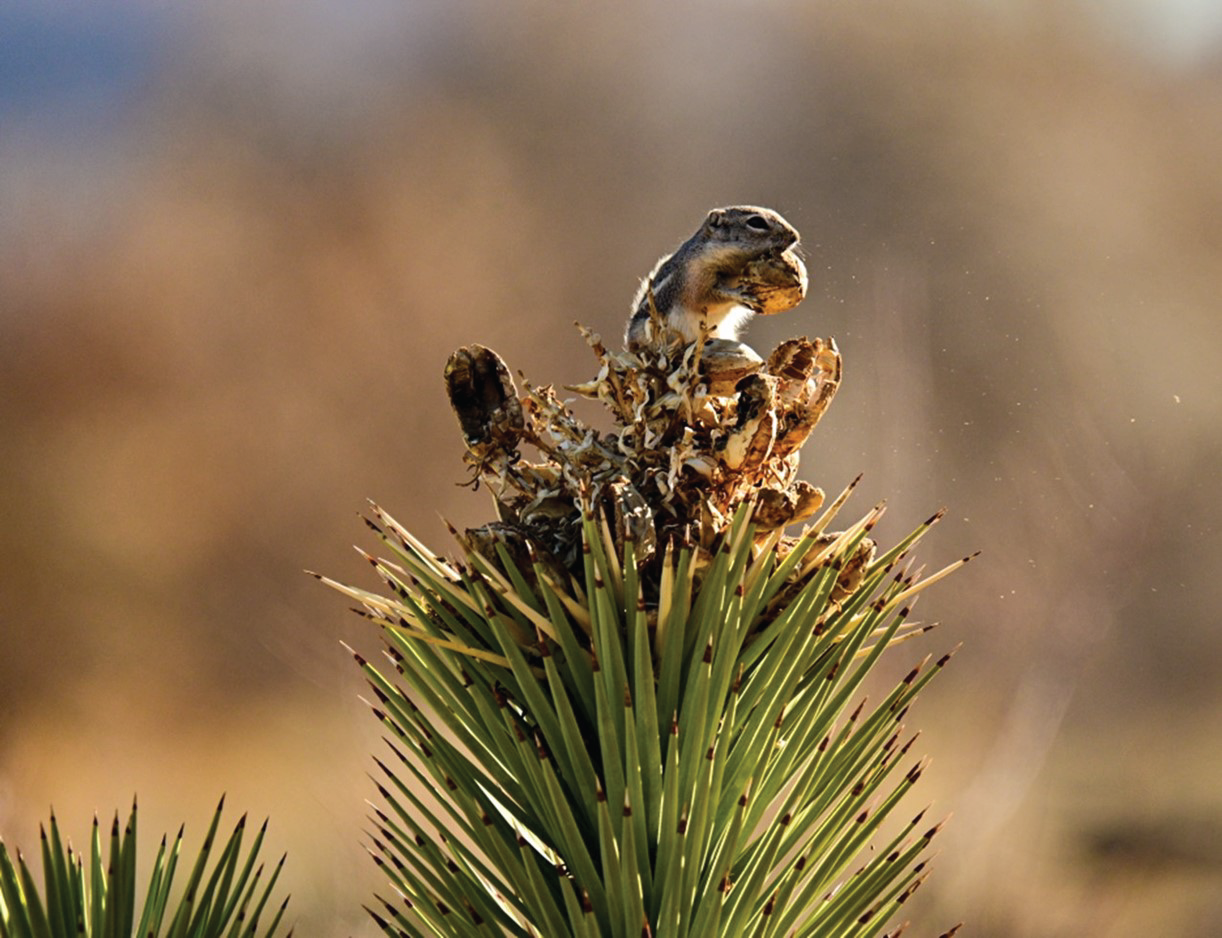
(742, 260)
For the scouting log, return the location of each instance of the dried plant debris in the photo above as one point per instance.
(699, 429)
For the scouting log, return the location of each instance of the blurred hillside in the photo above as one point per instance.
(229, 280)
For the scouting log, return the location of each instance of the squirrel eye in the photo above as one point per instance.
(758, 222)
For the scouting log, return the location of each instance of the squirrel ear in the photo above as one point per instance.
(716, 218)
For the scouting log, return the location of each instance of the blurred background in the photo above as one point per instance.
(238, 241)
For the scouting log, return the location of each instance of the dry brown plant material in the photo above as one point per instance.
(699, 429)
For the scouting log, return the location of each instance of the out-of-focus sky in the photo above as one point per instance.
(238, 241)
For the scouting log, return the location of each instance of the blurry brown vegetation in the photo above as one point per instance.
(229, 329)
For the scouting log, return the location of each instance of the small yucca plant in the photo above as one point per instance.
(632, 706)
(96, 897)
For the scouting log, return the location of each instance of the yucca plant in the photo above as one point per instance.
(96, 897)
(633, 704)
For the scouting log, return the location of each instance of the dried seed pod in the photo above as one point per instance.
(523, 550)
(793, 361)
(633, 520)
(750, 440)
(485, 400)
(774, 283)
(484, 540)
(779, 508)
(548, 511)
(808, 500)
(724, 362)
(806, 407)
(854, 570)
(773, 509)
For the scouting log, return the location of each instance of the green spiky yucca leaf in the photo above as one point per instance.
(571, 762)
(95, 897)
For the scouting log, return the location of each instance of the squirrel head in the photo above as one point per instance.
(750, 225)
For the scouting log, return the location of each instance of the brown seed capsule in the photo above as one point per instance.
(723, 363)
(775, 282)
